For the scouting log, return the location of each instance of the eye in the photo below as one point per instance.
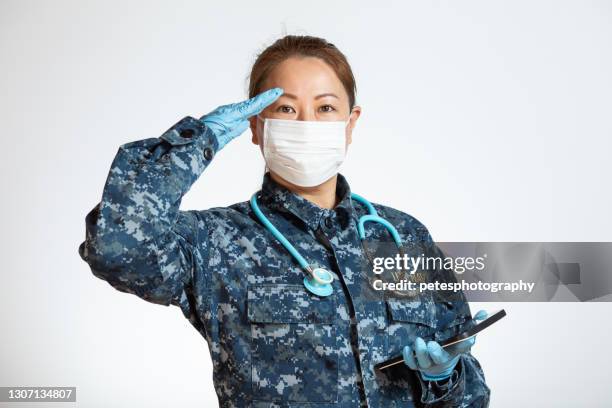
(327, 108)
(285, 109)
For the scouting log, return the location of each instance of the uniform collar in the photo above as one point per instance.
(279, 197)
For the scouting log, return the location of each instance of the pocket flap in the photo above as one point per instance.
(285, 303)
(422, 311)
(453, 314)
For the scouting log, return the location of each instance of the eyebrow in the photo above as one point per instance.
(292, 96)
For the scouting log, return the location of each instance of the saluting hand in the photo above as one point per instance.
(229, 121)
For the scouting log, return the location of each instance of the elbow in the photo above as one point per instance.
(132, 271)
(103, 262)
(107, 247)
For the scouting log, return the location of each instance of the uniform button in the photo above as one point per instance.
(187, 133)
(329, 222)
(208, 153)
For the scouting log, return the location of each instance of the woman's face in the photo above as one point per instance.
(312, 91)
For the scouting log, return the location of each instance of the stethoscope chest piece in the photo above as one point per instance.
(319, 282)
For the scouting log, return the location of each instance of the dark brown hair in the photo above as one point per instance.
(307, 46)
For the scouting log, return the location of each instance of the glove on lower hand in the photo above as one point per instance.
(434, 362)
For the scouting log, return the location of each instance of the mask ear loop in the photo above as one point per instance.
(347, 123)
(349, 118)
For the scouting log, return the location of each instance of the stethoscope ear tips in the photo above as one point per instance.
(319, 283)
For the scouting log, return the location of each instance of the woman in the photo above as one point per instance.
(273, 339)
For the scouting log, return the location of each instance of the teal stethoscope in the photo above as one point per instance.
(319, 279)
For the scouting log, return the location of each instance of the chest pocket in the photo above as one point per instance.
(452, 319)
(294, 351)
(409, 319)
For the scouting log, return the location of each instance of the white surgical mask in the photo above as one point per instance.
(305, 153)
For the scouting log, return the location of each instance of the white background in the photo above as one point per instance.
(486, 120)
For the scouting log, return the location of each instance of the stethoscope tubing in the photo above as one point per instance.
(372, 216)
(278, 235)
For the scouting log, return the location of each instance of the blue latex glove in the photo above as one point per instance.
(434, 362)
(229, 121)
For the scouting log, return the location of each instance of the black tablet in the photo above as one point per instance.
(469, 333)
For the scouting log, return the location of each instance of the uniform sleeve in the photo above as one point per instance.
(466, 387)
(136, 238)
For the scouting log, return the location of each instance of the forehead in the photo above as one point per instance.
(305, 76)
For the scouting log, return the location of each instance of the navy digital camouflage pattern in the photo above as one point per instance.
(272, 343)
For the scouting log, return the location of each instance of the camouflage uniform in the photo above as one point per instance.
(272, 343)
